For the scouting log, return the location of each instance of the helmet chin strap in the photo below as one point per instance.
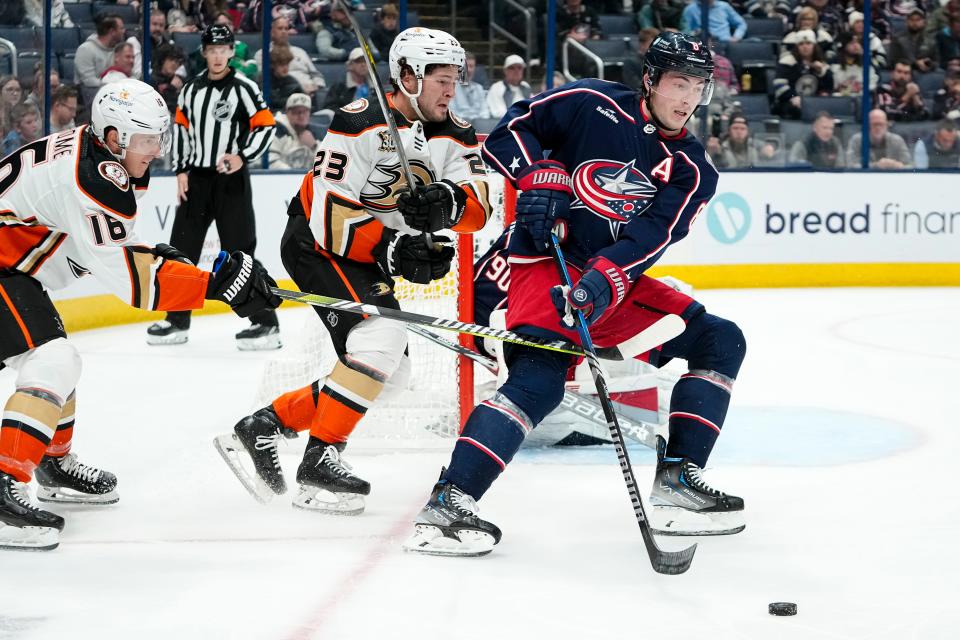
(413, 98)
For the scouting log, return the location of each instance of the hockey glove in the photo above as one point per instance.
(242, 283)
(432, 207)
(601, 283)
(168, 252)
(409, 257)
(544, 201)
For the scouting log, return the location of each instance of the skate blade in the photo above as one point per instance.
(64, 495)
(676, 521)
(430, 540)
(176, 338)
(329, 502)
(264, 343)
(28, 538)
(237, 458)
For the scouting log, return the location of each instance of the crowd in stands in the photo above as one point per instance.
(789, 73)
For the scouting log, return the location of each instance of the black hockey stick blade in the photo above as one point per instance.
(671, 563)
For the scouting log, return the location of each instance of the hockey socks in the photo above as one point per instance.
(698, 408)
(63, 438)
(491, 437)
(331, 411)
(29, 423)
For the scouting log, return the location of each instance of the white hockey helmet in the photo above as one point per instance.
(418, 47)
(137, 112)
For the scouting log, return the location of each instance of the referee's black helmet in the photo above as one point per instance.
(217, 34)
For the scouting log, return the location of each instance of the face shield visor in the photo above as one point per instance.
(676, 86)
(149, 144)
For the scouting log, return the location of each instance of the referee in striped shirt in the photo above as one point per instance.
(222, 125)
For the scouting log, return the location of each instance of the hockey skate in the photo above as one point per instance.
(449, 525)
(328, 484)
(254, 442)
(70, 481)
(165, 332)
(685, 505)
(23, 525)
(259, 337)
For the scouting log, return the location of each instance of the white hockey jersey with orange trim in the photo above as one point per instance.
(67, 209)
(350, 196)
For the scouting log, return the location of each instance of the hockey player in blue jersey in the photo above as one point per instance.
(624, 180)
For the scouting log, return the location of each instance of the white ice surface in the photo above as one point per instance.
(842, 439)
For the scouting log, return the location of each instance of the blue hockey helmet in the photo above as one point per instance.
(680, 53)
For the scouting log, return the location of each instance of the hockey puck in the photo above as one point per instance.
(782, 608)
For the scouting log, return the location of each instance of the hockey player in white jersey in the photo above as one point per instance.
(352, 228)
(67, 209)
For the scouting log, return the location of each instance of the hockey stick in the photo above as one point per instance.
(667, 562)
(573, 401)
(562, 346)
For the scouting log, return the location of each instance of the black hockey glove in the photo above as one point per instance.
(168, 252)
(408, 257)
(242, 283)
(544, 201)
(432, 207)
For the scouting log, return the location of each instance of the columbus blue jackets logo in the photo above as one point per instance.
(612, 189)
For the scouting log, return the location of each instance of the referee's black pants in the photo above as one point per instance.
(228, 201)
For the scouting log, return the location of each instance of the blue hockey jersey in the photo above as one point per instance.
(636, 191)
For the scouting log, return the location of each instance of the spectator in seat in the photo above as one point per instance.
(386, 28)
(830, 16)
(900, 98)
(946, 102)
(356, 85)
(63, 108)
(939, 150)
(848, 69)
(782, 9)
(726, 25)
(878, 54)
(11, 95)
(59, 18)
(26, 128)
(122, 67)
(295, 144)
(662, 15)
(807, 19)
(301, 67)
(36, 94)
(578, 21)
(96, 54)
(801, 71)
(633, 68)
(166, 77)
(178, 22)
(887, 150)
(948, 40)
(821, 149)
(941, 16)
(336, 39)
(740, 150)
(470, 100)
(512, 88)
(282, 84)
(914, 45)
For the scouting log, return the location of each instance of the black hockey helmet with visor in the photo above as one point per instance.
(680, 53)
(217, 34)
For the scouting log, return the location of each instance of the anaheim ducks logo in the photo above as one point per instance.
(356, 106)
(612, 189)
(460, 122)
(384, 184)
(386, 141)
(115, 173)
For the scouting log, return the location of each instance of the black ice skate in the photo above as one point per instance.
(23, 525)
(254, 443)
(449, 525)
(259, 337)
(164, 332)
(685, 505)
(328, 484)
(68, 480)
